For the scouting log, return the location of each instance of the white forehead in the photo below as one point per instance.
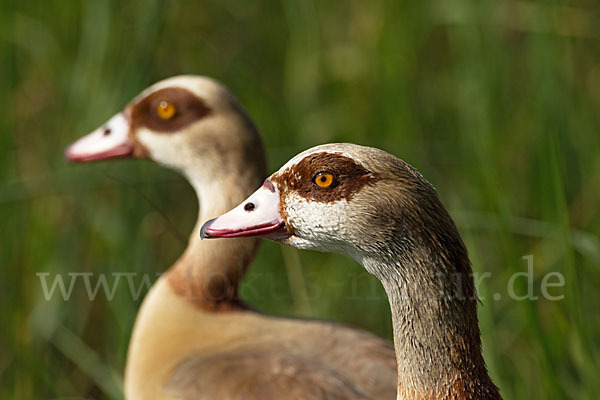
(349, 150)
(204, 87)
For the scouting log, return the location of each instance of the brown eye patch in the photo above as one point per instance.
(349, 176)
(187, 108)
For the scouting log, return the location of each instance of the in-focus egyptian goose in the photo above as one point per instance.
(375, 208)
(193, 337)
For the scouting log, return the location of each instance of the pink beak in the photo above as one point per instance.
(109, 141)
(256, 216)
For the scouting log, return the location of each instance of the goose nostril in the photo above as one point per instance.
(106, 132)
(249, 207)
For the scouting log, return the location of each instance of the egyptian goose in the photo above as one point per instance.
(375, 208)
(193, 337)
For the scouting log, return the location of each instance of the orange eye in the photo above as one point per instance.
(165, 110)
(324, 179)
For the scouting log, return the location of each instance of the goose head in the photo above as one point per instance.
(189, 123)
(359, 201)
(371, 206)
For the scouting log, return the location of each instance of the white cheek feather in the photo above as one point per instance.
(318, 225)
(172, 150)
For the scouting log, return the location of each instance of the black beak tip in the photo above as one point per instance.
(205, 226)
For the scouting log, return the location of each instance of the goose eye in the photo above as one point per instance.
(165, 110)
(324, 180)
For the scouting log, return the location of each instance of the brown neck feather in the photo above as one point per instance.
(209, 276)
(436, 334)
(429, 283)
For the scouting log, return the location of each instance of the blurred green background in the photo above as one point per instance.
(496, 102)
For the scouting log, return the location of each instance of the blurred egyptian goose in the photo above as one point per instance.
(375, 208)
(193, 337)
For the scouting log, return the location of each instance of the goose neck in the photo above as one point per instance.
(436, 333)
(209, 272)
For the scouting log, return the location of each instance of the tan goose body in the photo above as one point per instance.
(370, 205)
(193, 338)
